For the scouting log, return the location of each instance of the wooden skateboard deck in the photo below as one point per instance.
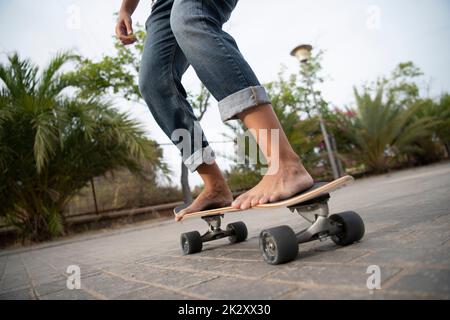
(315, 191)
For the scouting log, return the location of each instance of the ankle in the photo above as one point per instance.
(294, 166)
(217, 185)
(291, 160)
(290, 157)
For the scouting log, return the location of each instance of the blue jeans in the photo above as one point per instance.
(189, 32)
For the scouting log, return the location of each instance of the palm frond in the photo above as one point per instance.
(22, 76)
(45, 140)
(50, 84)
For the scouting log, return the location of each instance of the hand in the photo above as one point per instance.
(124, 29)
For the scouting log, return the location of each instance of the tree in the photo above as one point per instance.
(113, 75)
(401, 87)
(441, 111)
(381, 131)
(413, 126)
(52, 144)
(432, 147)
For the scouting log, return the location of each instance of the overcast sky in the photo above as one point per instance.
(362, 40)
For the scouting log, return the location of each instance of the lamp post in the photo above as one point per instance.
(303, 54)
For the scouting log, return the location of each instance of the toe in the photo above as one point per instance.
(179, 216)
(242, 201)
(263, 199)
(246, 203)
(254, 201)
(238, 201)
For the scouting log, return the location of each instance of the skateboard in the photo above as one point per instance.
(280, 244)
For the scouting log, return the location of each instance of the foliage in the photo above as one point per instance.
(431, 147)
(240, 178)
(381, 131)
(114, 74)
(52, 144)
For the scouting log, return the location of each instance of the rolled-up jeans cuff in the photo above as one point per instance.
(235, 103)
(204, 155)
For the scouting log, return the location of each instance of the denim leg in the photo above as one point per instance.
(162, 66)
(214, 54)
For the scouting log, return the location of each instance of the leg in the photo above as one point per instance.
(163, 64)
(288, 176)
(213, 53)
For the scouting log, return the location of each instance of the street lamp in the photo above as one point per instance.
(303, 54)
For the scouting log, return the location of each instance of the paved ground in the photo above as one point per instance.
(407, 216)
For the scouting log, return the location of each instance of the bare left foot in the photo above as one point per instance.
(216, 196)
(291, 178)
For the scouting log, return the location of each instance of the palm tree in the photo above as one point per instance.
(52, 144)
(381, 131)
(442, 112)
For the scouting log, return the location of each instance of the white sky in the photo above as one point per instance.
(362, 39)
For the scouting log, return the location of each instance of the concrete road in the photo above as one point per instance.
(407, 216)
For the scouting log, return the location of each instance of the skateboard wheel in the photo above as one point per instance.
(352, 228)
(238, 230)
(278, 245)
(191, 242)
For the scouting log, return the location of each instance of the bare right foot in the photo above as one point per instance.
(216, 196)
(290, 178)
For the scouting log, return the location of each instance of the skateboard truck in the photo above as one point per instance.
(215, 231)
(192, 242)
(316, 212)
(280, 244)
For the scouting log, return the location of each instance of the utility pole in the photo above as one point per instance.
(94, 195)
(303, 54)
(187, 194)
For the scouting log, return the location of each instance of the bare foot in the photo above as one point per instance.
(291, 178)
(216, 196)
